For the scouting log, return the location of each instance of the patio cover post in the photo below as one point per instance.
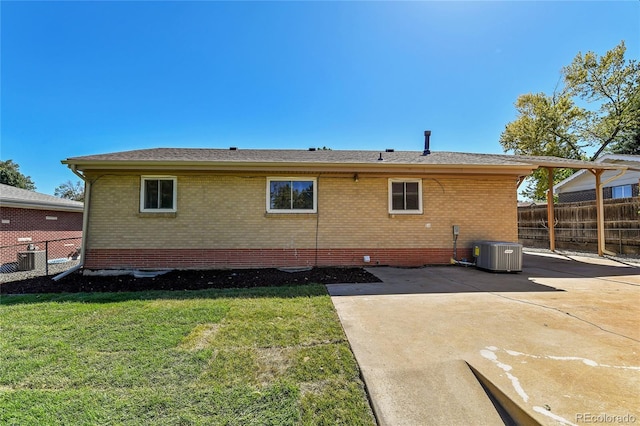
(550, 212)
(599, 212)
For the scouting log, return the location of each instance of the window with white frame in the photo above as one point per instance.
(622, 191)
(405, 196)
(158, 194)
(292, 195)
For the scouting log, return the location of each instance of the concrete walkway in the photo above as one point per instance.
(558, 343)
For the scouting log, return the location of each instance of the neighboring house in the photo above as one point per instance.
(233, 208)
(29, 217)
(580, 186)
(523, 204)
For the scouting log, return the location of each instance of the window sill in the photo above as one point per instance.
(144, 215)
(394, 214)
(290, 215)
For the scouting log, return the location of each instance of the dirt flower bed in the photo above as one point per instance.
(188, 280)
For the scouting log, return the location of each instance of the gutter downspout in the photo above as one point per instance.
(620, 174)
(85, 223)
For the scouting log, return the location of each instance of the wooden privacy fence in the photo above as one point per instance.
(575, 225)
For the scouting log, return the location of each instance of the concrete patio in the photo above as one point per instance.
(558, 343)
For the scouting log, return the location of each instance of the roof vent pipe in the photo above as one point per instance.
(427, 135)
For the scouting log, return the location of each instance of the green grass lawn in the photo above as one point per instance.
(232, 357)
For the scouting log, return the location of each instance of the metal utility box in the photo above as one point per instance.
(498, 256)
(32, 259)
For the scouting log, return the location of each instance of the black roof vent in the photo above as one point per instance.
(389, 150)
(380, 158)
(312, 149)
(427, 136)
(233, 148)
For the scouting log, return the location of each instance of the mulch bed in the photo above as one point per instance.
(188, 280)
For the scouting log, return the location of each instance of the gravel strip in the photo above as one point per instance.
(632, 260)
(54, 269)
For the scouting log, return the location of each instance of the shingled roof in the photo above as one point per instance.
(11, 196)
(293, 156)
(315, 160)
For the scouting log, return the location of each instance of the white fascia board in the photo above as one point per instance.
(275, 167)
(40, 206)
(565, 181)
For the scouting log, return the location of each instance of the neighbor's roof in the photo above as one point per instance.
(11, 196)
(318, 160)
(611, 158)
(632, 163)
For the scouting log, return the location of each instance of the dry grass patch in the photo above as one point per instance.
(201, 337)
(313, 388)
(272, 363)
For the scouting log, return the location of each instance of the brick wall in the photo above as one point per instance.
(20, 227)
(221, 221)
(266, 258)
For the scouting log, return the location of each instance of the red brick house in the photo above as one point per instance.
(28, 217)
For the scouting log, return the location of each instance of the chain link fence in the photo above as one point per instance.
(38, 258)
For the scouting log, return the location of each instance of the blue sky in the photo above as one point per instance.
(81, 78)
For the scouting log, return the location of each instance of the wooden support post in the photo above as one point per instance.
(550, 212)
(599, 212)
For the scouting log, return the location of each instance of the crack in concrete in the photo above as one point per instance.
(490, 353)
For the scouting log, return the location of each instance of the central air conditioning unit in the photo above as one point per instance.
(31, 259)
(498, 256)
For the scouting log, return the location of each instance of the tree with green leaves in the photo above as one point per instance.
(10, 175)
(612, 85)
(70, 191)
(629, 145)
(597, 109)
